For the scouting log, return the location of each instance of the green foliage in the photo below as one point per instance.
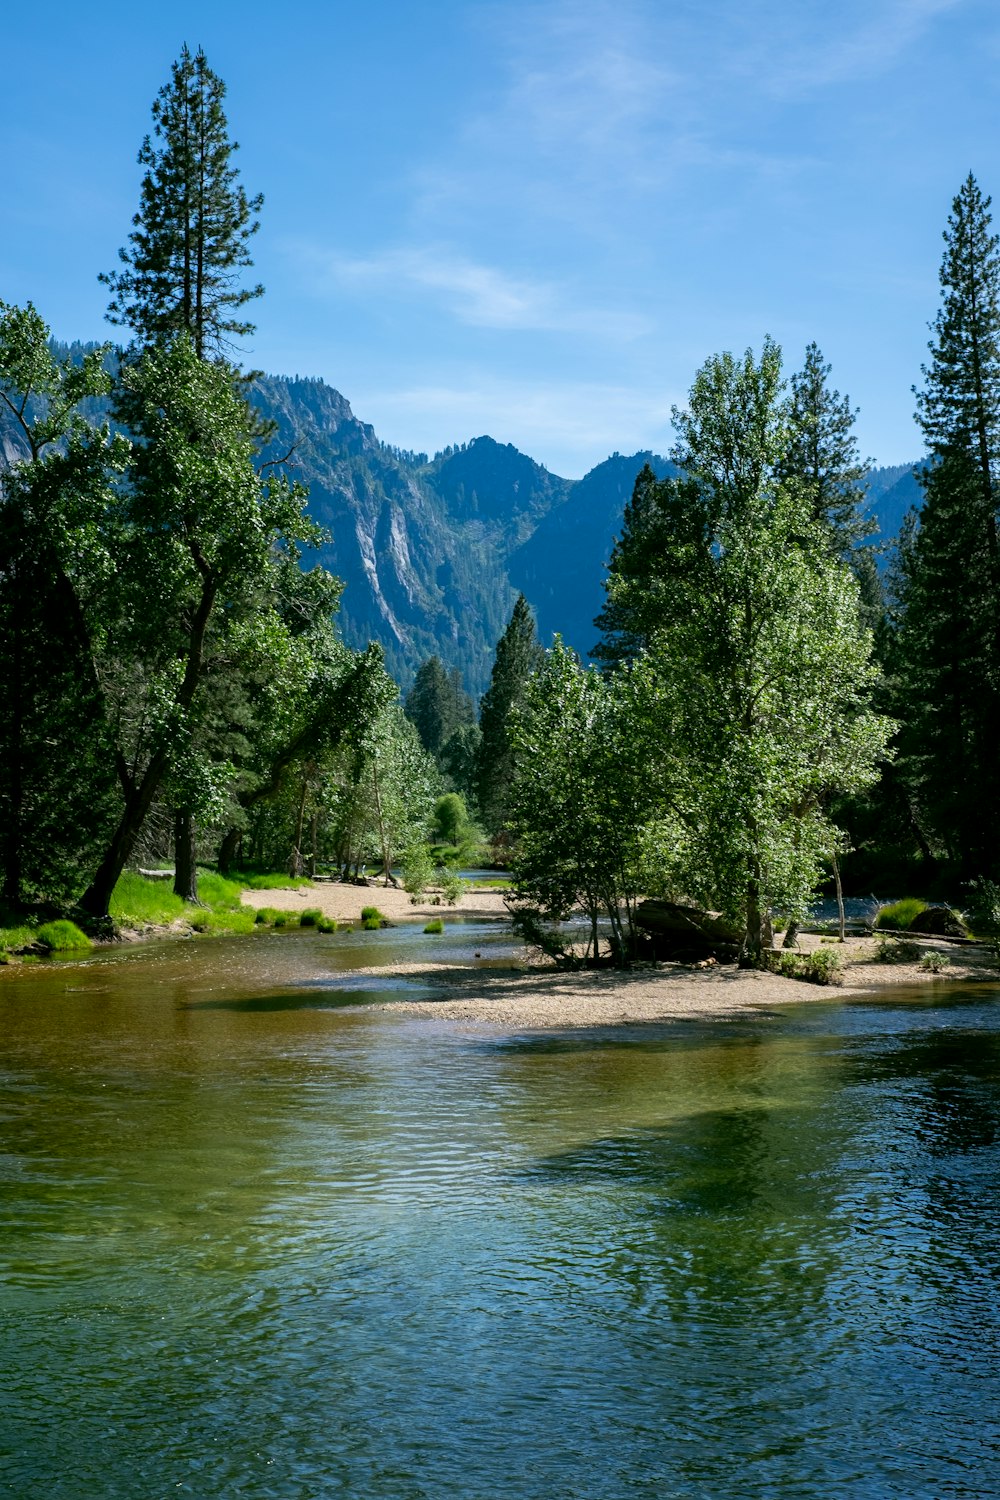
(326, 924)
(193, 229)
(372, 924)
(438, 706)
(61, 937)
(580, 802)
(218, 892)
(947, 639)
(451, 886)
(274, 881)
(371, 914)
(895, 951)
(986, 911)
(896, 916)
(934, 962)
(310, 917)
(418, 869)
(821, 966)
(138, 902)
(435, 925)
(752, 690)
(451, 819)
(518, 654)
(267, 916)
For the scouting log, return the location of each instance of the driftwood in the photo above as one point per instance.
(157, 874)
(676, 931)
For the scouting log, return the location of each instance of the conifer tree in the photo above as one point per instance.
(518, 655)
(949, 641)
(191, 236)
(823, 455)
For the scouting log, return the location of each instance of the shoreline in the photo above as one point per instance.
(537, 996)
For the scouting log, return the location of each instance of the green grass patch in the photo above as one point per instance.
(274, 881)
(367, 912)
(372, 924)
(434, 925)
(310, 917)
(61, 937)
(217, 892)
(897, 916)
(221, 921)
(326, 924)
(14, 938)
(138, 902)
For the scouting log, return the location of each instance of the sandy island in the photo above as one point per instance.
(535, 995)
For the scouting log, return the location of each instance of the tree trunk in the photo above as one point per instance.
(227, 851)
(97, 897)
(791, 936)
(185, 867)
(840, 896)
(295, 863)
(753, 938)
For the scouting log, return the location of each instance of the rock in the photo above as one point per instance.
(678, 931)
(939, 921)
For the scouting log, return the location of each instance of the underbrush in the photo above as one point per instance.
(823, 966)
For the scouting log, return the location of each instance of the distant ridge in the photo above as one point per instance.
(433, 552)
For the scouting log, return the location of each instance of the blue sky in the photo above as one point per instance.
(534, 220)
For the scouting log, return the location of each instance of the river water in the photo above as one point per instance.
(255, 1245)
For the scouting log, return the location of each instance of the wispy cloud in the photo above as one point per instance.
(478, 295)
(567, 425)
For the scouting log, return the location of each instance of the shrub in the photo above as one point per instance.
(371, 913)
(823, 966)
(434, 925)
(61, 937)
(417, 870)
(310, 917)
(372, 924)
(452, 888)
(326, 924)
(934, 962)
(280, 919)
(897, 916)
(896, 952)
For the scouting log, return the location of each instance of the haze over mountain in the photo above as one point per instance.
(433, 552)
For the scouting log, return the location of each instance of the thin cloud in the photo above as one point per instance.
(478, 295)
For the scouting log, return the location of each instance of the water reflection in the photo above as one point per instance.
(253, 1244)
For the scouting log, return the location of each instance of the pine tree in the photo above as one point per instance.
(823, 455)
(437, 704)
(192, 232)
(518, 655)
(949, 641)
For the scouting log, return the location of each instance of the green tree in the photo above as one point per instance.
(56, 781)
(518, 654)
(190, 243)
(438, 705)
(757, 672)
(582, 804)
(947, 650)
(198, 534)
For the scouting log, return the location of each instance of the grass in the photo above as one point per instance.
(61, 937)
(310, 917)
(822, 966)
(326, 924)
(274, 881)
(897, 916)
(434, 925)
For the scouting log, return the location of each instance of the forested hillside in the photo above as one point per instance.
(434, 553)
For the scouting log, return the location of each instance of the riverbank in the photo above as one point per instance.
(344, 903)
(535, 995)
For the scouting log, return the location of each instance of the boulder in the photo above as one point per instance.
(939, 921)
(684, 932)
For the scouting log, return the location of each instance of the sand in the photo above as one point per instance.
(535, 996)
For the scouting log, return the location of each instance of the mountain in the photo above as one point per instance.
(433, 552)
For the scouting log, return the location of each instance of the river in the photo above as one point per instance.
(257, 1245)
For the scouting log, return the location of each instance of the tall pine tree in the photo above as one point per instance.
(949, 641)
(190, 243)
(518, 654)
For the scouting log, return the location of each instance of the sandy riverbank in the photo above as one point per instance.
(537, 996)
